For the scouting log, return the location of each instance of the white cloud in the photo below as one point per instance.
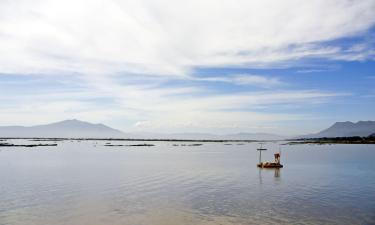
(150, 108)
(243, 79)
(256, 80)
(103, 43)
(172, 37)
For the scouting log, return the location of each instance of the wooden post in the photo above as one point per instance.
(260, 152)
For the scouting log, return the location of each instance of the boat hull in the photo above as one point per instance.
(269, 165)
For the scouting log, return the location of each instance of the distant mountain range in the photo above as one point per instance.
(80, 129)
(63, 129)
(205, 136)
(346, 129)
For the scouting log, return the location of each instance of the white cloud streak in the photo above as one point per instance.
(172, 37)
(243, 79)
(163, 109)
(99, 41)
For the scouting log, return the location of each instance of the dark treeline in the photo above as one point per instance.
(131, 139)
(335, 140)
(24, 145)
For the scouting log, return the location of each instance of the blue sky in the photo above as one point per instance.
(172, 66)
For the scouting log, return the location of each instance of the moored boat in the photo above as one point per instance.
(275, 164)
(269, 165)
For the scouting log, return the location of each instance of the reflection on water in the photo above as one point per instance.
(77, 183)
(277, 173)
(266, 172)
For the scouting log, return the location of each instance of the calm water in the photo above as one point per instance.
(88, 183)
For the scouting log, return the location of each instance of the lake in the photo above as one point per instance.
(85, 182)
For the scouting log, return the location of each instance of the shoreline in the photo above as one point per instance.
(131, 139)
(335, 140)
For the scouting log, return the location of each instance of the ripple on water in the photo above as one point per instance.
(165, 185)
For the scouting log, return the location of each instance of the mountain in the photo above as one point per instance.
(205, 136)
(64, 129)
(346, 129)
(176, 136)
(80, 129)
(255, 136)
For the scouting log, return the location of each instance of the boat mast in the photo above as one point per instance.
(260, 152)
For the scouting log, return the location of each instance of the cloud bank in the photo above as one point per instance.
(124, 53)
(172, 37)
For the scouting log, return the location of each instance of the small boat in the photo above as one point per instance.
(275, 164)
(270, 165)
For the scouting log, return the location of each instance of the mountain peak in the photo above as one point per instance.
(72, 121)
(346, 129)
(366, 122)
(71, 128)
(343, 123)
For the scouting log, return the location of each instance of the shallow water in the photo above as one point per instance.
(88, 183)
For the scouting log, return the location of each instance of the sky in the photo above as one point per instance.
(286, 67)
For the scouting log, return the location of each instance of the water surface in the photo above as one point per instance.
(88, 183)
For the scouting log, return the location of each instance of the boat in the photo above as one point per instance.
(269, 165)
(275, 164)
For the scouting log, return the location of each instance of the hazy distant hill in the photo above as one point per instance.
(63, 129)
(206, 136)
(81, 129)
(346, 129)
(255, 136)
